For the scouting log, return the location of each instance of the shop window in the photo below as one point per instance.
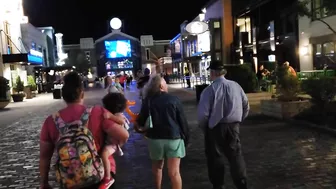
(8, 38)
(318, 49)
(218, 56)
(217, 40)
(324, 54)
(329, 48)
(319, 10)
(244, 25)
(216, 24)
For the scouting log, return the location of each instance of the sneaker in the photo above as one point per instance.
(106, 183)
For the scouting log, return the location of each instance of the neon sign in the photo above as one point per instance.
(35, 53)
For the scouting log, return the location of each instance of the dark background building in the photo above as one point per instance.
(114, 66)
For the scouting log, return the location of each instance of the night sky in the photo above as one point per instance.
(90, 18)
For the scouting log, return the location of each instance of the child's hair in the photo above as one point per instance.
(115, 102)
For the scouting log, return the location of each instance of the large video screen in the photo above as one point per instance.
(118, 49)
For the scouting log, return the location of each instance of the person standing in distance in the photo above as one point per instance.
(223, 106)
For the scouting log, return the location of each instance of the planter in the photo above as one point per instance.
(18, 97)
(283, 110)
(34, 94)
(4, 103)
(28, 92)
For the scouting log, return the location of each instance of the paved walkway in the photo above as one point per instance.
(278, 155)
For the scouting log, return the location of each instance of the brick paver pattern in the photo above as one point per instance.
(278, 155)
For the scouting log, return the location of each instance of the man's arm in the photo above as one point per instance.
(182, 120)
(246, 106)
(204, 108)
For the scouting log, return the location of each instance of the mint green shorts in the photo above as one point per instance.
(160, 149)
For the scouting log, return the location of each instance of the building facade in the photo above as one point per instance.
(317, 41)
(118, 53)
(156, 55)
(265, 35)
(52, 51)
(79, 57)
(10, 33)
(35, 42)
(193, 53)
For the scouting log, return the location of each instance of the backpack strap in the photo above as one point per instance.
(85, 116)
(59, 122)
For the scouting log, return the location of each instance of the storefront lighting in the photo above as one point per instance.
(304, 50)
(197, 27)
(201, 17)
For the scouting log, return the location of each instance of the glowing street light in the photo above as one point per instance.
(115, 23)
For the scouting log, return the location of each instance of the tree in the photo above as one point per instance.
(304, 9)
(79, 61)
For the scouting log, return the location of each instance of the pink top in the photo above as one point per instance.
(97, 125)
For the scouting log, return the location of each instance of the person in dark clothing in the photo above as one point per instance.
(261, 74)
(169, 134)
(187, 75)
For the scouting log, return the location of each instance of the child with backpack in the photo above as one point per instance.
(116, 103)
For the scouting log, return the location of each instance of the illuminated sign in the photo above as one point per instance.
(35, 53)
(203, 42)
(35, 56)
(197, 27)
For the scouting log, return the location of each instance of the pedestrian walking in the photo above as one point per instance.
(77, 134)
(163, 119)
(222, 107)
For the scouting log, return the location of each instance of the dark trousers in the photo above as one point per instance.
(223, 140)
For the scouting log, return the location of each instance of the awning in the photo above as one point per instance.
(22, 58)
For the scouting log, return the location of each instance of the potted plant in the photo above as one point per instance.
(31, 88)
(4, 89)
(286, 102)
(18, 88)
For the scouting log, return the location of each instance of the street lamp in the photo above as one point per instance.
(115, 23)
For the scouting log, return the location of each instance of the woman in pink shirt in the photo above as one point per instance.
(99, 124)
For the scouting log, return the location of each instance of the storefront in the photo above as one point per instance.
(16, 65)
(264, 37)
(119, 67)
(118, 52)
(46, 77)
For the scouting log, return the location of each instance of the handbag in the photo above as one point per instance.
(149, 122)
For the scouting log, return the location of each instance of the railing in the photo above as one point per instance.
(315, 73)
(194, 80)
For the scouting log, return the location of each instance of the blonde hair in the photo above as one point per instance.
(153, 86)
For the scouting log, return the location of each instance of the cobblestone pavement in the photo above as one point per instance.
(278, 155)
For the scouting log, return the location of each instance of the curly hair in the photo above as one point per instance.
(115, 102)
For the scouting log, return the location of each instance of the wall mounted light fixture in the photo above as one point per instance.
(304, 51)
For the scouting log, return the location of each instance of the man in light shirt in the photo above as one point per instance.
(222, 107)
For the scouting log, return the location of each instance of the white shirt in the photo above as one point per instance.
(112, 89)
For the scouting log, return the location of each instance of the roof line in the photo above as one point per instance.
(116, 32)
